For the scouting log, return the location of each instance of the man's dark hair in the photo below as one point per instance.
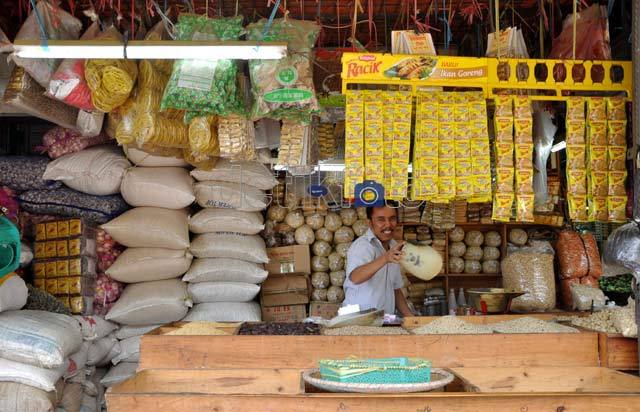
(387, 203)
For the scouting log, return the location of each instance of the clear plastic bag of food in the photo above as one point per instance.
(204, 148)
(304, 235)
(60, 141)
(57, 25)
(320, 280)
(205, 86)
(236, 136)
(622, 248)
(572, 256)
(321, 248)
(530, 269)
(284, 87)
(344, 234)
(585, 297)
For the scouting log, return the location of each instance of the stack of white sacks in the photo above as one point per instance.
(225, 276)
(156, 234)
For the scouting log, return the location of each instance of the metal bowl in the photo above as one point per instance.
(492, 300)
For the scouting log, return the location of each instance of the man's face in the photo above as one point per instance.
(383, 222)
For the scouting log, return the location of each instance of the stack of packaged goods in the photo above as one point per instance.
(523, 125)
(226, 275)
(576, 157)
(504, 149)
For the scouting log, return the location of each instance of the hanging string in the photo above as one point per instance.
(43, 33)
(497, 32)
(267, 26)
(133, 13)
(574, 18)
(237, 1)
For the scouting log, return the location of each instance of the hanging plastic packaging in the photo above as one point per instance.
(592, 36)
(622, 248)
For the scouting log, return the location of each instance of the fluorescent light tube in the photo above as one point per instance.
(69, 49)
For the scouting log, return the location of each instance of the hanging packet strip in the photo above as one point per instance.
(598, 133)
(596, 109)
(502, 207)
(578, 208)
(616, 108)
(598, 211)
(616, 206)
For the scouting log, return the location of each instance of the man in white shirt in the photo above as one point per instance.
(373, 271)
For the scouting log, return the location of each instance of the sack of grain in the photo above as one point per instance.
(151, 227)
(119, 373)
(95, 327)
(230, 245)
(207, 292)
(125, 332)
(245, 172)
(225, 312)
(142, 158)
(41, 378)
(17, 397)
(161, 301)
(13, 293)
(226, 220)
(100, 349)
(95, 171)
(38, 338)
(572, 255)
(71, 398)
(129, 350)
(225, 270)
(89, 404)
(168, 187)
(530, 269)
(112, 354)
(227, 195)
(147, 264)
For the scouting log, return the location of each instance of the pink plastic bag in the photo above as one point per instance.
(592, 37)
(107, 290)
(60, 141)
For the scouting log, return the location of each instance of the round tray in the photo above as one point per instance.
(439, 379)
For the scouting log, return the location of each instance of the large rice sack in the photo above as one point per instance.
(95, 327)
(151, 227)
(119, 373)
(129, 350)
(38, 338)
(168, 187)
(226, 220)
(246, 172)
(148, 264)
(230, 245)
(41, 378)
(127, 331)
(100, 349)
(95, 171)
(207, 292)
(13, 293)
(162, 301)
(225, 312)
(77, 362)
(225, 270)
(17, 397)
(227, 195)
(142, 158)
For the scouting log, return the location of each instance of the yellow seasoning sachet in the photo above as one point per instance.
(578, 211)
(617, 208)
(502, 207)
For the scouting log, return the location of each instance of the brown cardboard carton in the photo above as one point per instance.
(287, 313)
(279, 290)
(289, 259)
(325, 310)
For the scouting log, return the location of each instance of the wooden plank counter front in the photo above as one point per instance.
(618, 352)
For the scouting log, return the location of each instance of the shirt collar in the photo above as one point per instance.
(372, 237)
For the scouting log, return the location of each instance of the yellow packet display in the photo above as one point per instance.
(504, 180)
(578, 211)
(481, 189)
(504, 129)
(446, 112)
(504, 106)
(596, 109)
(616, 181)
(504, 154)
(479, 147)
(598, 210)
(575, 132)
(502, 207)
(524, 181)
(446, 167)
(446, 131)
(446, 149)
(477, 109)
(617, 209)
(481, 165)
(524, 208)
(428, 130)
(577, 182)
(617, 133)
(463, 167)
(524, 155)
(522, 107)
(598, 158)
(464, 187)
(598, 183)
(446, 187)
(576, 156)
(575, 108)
(616, 108)
(598, 133)
(424, 188)
(617, 158)
(524, 130)
(461, 113)
(463, 149)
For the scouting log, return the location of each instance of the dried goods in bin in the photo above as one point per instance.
(276, 328)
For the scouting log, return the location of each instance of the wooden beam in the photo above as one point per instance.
(499, 350)
(618, 352)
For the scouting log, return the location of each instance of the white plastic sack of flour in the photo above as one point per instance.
(225, 312)
(38, 338)
(77, 361)
(119, 373)
(246, 172)
(41, 378)
(208, 292)
(226, 220)
(147, 264)
(100, 348)
(126, 332)
(230, 245)
(13, 293)
(168, 187)
(141, 158)
(95, 326)
(161, 301)
(129, 351)
(225, 270)
(151, 227)
(113, 353)
(17, 397)
(227, 195)
(95, 171)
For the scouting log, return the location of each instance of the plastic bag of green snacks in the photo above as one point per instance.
(205, 86)
(284, 88)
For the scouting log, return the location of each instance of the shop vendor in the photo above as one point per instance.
(373, 270)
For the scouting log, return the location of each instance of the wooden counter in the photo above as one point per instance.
(618, 352)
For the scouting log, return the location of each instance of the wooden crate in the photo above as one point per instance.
(618, 352)
(413, 322)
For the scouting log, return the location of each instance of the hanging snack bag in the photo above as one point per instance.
(617, 133)
(575, 132)
(205, 86)
(575, 108)
(598, 133)
(578, 208)
(284, 88)
(598, 158)
(596, 109)
(502, 203)
(598, 211)
(204, 147)
(616, 108)
(617, 158)
(616, 206)
(236, 136)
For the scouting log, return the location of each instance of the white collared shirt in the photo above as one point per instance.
(379, 291)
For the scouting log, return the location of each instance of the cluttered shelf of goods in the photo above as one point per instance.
(269, 206)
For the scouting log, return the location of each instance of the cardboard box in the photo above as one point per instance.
(325, 310)
(280, 290)
(287, 313)
(289, 259)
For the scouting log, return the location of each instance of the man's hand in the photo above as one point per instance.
(394, 255)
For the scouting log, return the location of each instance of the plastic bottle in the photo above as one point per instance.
(461, 300)
(453, 307)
